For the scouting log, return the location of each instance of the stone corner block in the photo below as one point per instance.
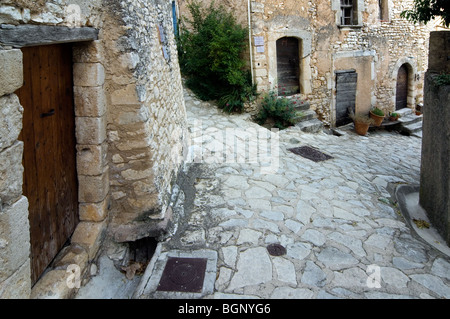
(94, 212)
(11, 76)
(91, 159)
(93, 189)
(11, 173)
(88, 52)
(18, 285)
(88, 74)
(90, 130)
(89, 101)
(89, 235)
(14, 237)
(11, 113)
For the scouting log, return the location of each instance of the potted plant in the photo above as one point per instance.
(377, 115)
(394, 116)
(361, 122)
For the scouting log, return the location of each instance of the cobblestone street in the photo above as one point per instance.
(343, 234)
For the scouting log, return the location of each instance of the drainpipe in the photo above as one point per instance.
(250, 38)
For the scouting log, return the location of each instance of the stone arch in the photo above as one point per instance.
(411, 66)
(304, 39)
(288, 64)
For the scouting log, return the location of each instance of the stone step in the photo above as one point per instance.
(412, 128)
(310, 126)
(302, 106)
(410, 118)
(404, 112)
(305, 115)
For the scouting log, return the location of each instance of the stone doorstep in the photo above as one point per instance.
(53, 284)
(56, 282)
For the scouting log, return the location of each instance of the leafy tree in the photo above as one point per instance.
(426, 10)
(211, 50)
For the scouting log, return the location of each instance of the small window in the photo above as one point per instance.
(348, 12)
(384, 10)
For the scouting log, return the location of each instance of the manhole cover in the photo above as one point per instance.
(276, 250)
(183, 275)
(310, 153)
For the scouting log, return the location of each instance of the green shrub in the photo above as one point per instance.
(279, 109)
(442, 79)
(211, 50)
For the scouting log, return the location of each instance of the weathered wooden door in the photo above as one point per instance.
(288, 65)
(346, 82)
(402, 88)
(50, 179)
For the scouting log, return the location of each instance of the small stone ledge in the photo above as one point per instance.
(137, 230)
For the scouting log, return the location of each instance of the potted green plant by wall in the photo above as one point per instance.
(377, 115)
(361, 122)
(394, 116)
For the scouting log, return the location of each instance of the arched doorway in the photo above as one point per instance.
(288, 65)
(401, 100)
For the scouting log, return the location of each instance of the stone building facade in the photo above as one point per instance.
(332, 38)
(129, 127)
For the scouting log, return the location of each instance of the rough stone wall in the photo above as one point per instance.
(146, 118)
(376, 45)
(435, 165)
(14, 226)
(130, 128)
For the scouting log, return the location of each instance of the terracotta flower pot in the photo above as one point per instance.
(377, 118)
(393, 118)
(361, 128)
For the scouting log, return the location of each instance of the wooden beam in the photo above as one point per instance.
(32, 35)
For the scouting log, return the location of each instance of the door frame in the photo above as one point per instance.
(90, 132)
(411, 65)
(305, 40)
(50, 226)
(297, 67)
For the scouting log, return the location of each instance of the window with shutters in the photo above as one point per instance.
(349, 12)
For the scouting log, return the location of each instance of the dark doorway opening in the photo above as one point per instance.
(288, 66)
(402, 88)
(346, 82)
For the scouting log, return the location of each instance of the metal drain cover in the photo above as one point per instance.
(310, 153)
(183, 275)
(276, 250)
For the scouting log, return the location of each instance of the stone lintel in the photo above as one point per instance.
(32, 35)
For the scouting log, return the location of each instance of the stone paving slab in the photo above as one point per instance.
(344, 234)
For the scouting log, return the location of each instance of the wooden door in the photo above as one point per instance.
(50, 179)
(288, 66)
(402, 88)
(346, 82)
